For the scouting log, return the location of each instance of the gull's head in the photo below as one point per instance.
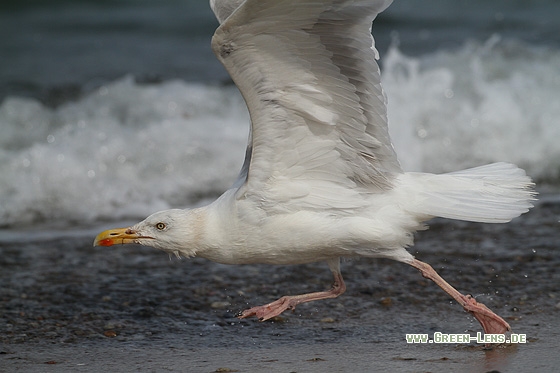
(169, 230)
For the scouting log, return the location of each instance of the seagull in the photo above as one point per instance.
(321, 180)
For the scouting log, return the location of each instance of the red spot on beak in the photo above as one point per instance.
(106, 242)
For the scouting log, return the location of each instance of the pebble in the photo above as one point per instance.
(386, 301)
(110, 333)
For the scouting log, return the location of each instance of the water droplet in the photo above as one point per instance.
(50, 139)
(91, 174)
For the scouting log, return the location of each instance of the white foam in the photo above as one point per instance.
(498, 101)
(127, 150)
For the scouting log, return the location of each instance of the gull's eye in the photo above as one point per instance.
(160, 226)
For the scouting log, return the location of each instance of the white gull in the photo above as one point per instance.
(321, 180)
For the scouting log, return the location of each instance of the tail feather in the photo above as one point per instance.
(495, 193)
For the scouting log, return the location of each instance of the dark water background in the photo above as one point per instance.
(56, 49)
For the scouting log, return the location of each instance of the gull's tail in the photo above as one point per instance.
(495, 193)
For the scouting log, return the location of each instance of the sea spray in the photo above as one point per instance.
(126, 149)
(497, 101)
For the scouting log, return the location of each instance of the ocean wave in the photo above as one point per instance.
(485, 102)
(128, 149)
(123, 151)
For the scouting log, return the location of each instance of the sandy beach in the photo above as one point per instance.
(68, 307)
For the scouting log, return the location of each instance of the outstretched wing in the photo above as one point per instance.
(224, 8)
(307, 72)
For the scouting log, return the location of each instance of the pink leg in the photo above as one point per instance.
(275, 308)
(491, 323)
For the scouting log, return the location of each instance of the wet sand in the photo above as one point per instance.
(68, 307)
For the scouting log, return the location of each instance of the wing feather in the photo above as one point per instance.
(308, 74)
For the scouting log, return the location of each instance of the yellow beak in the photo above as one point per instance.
(118, 236)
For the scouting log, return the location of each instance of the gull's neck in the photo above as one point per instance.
(210, 228)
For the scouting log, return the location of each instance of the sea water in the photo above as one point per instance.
(125, 146)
